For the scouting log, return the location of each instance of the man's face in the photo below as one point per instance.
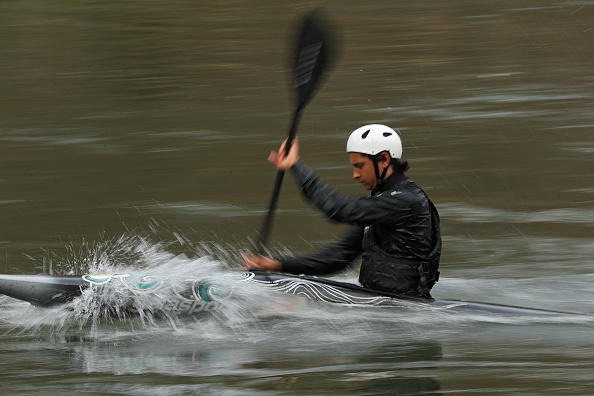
(363, 170)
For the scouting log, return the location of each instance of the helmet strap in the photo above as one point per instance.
(380, 178)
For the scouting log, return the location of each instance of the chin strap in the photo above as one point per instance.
(380, 178)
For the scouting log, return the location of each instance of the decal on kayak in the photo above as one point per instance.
(208, 290)
(97, 279)
(190, 307)
(327, 293)
(243, 275)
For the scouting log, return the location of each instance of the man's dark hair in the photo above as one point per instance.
(399, 165)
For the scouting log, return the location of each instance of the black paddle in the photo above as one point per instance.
(312, 57)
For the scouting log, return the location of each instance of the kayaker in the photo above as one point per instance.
(396, 229)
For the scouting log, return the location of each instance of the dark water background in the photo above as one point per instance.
(144, 127)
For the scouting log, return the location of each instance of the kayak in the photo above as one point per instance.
(194, 297)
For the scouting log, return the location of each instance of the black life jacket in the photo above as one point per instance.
(387, 273)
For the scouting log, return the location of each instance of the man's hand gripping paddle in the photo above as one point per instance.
(312, 58)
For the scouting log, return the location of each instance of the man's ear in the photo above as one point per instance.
(385, 159)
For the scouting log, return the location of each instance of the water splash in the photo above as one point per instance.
(141, 285)
(135, 282)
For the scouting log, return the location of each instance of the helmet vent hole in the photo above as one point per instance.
(386, 134)
(364, 136)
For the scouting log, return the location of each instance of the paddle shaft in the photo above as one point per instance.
(261, 246)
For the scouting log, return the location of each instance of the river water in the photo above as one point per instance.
(134, 137)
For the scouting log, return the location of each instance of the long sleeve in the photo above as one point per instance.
(383, 208)
(328, 260)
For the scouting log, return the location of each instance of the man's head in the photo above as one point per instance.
(372, 149)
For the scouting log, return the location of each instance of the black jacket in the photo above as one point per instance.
(397, 226)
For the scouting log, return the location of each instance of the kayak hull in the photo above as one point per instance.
(198, 296)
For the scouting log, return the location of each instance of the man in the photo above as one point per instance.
(396, 229)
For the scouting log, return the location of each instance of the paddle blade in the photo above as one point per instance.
(313, 54)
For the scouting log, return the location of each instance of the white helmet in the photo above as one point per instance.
(373, 139)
